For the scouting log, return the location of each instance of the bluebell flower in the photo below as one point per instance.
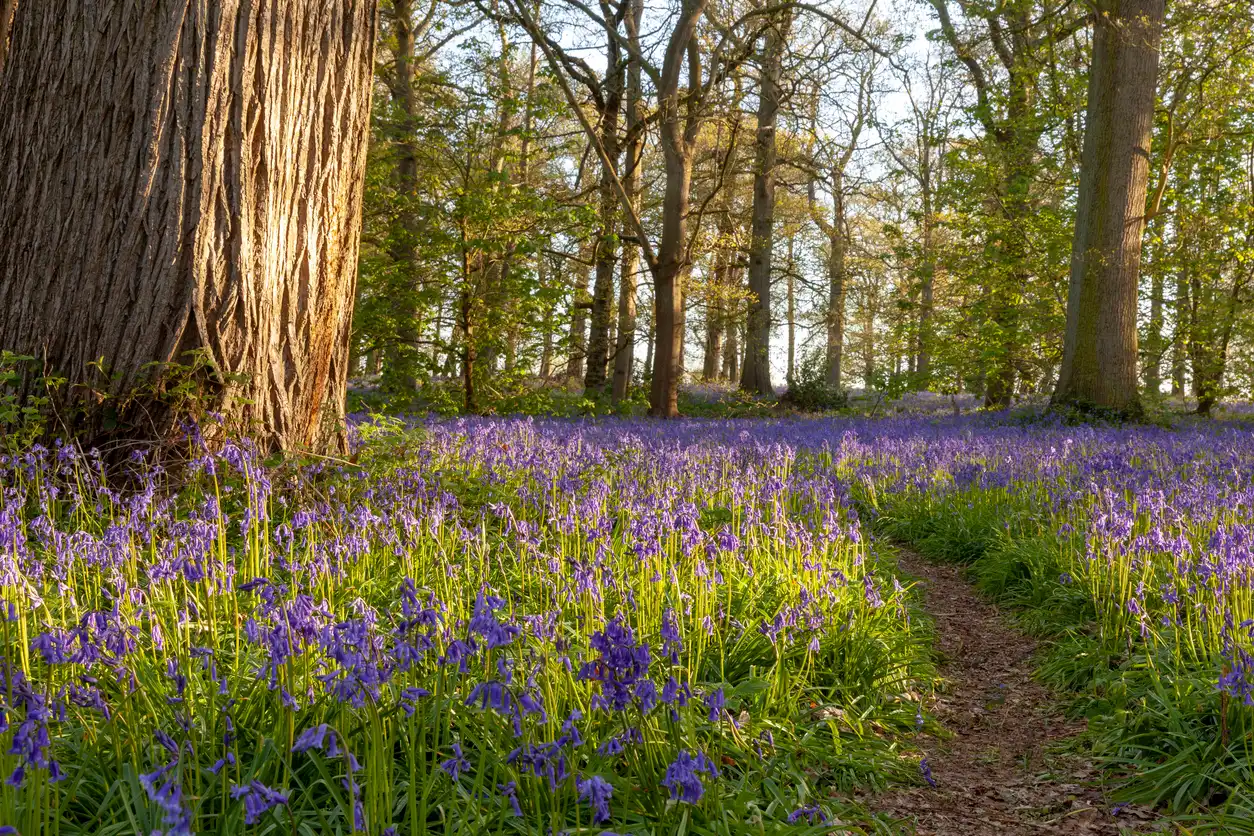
(621, 664)
(597, 792)
(810, 813)
(510, 791)
(715, 702)
(457, 764)
(683, 779)
(258, 798)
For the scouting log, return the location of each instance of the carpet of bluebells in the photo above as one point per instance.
(610, 626)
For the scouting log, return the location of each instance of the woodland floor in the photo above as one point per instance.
(998, 769)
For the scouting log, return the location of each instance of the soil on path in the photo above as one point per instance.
(995, 774)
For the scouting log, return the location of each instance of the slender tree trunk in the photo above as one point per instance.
(792, 315)
(184, 179)
(496, 269)
(1017, 145)
(756, 375)
(469, 354)
(1100, 352)
(1180, 331)
(546, 347)
(1211, 361)
(512, 326)
(714, 318)
(868, 347)
(836, 281)
(625, 351)
(578, 340)
(731, 347)
(923, 363)
(649, 344)
(607, 236)
(1154, 353)
(403, 354)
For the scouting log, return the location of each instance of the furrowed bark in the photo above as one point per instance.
(178, 178)
(1100, 351)
(625, 349)
(756, 375)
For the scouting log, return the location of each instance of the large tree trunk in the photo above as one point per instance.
(625, 349)
(1100, 351)
(756, 374)
(184, 179)
(678, 138)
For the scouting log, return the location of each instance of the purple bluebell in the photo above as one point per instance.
(597, 792)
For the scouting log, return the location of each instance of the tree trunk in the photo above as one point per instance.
(649, 344)
(495, 270)
(1100, 351)
(469, 352)
(756, 375)
(731, 344)
(868, 348)
(607, 236)
(546, 348)
(185, 179)
(1154, 351)
(923, 363)
(625, 350)
(836, 281)
(792, 316)
(578, 340)
(403, 354)
(714, 319)
(678, 140)
(1180, 331)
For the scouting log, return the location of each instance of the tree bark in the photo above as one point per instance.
(1100, 351)
(1154, 355)
(403, 355)
(678, 138)
(731, 339)
(1180, 331)
(607, 236)
(180, 178)
(578, 339)
(792, 315)
(720, 286)
(836, 280)
(546, 349)
(756, 375)
(923, 362)
(715, 317)
(625, 350)
(7, 8)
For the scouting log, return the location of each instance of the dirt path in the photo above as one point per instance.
(995, 775)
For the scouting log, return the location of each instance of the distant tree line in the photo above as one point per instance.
(1028, 198)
